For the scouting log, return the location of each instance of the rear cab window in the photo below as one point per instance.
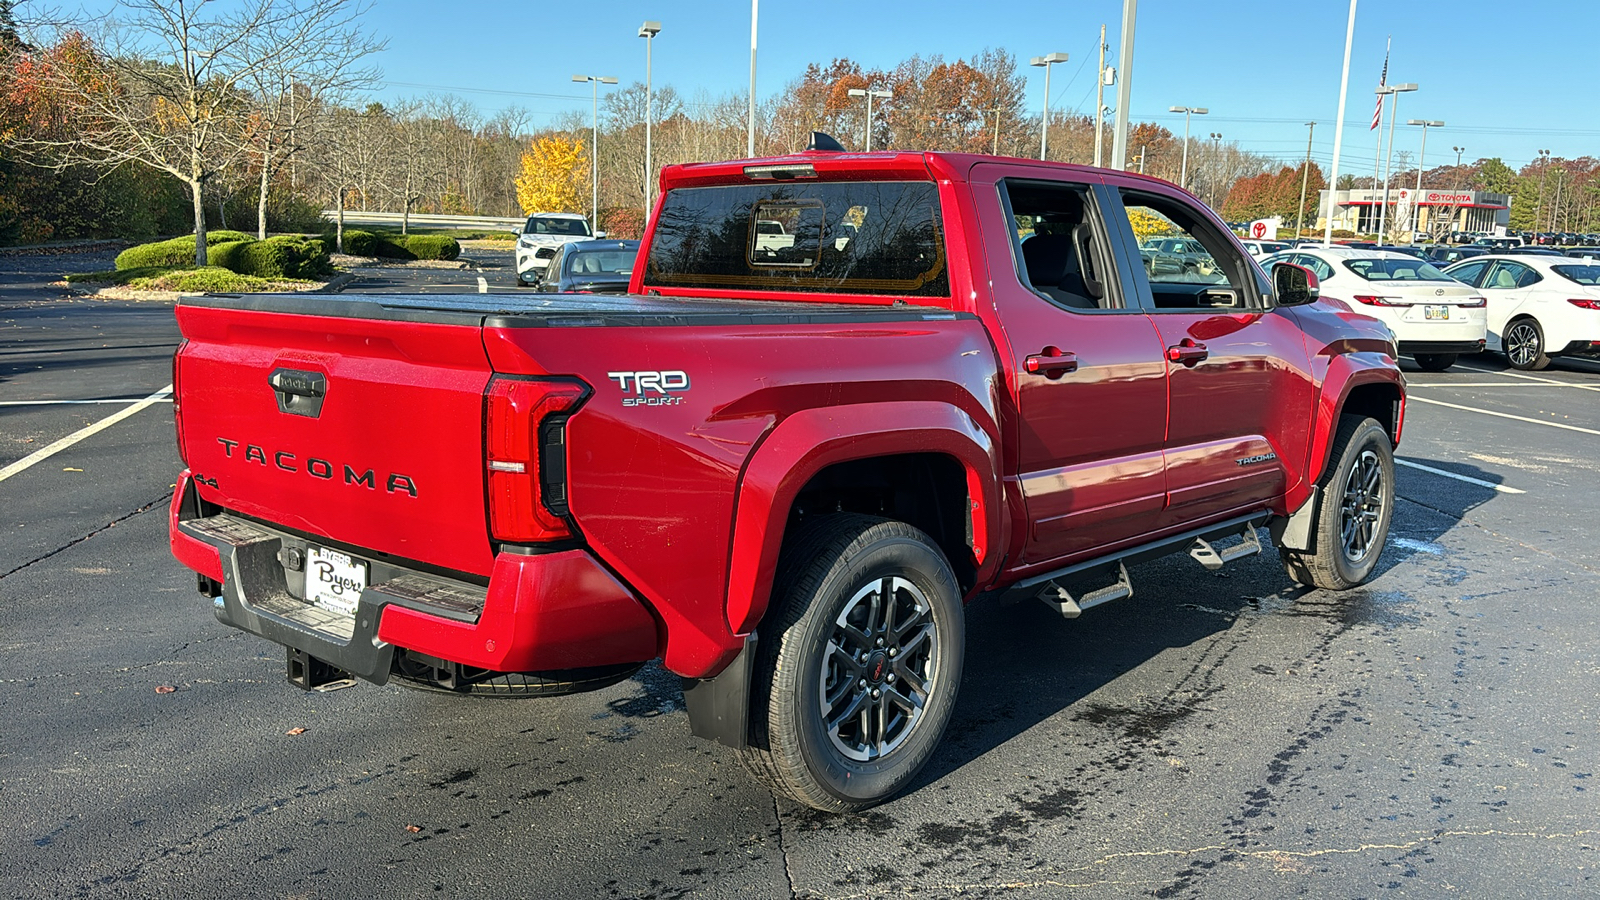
(882, 238)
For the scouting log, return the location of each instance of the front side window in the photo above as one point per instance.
(863, 237)
(1188, 264)
(1469, 272)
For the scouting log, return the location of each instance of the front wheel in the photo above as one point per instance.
(1357, 502)
(857, 672)
(1524, 344)
(1435, 362)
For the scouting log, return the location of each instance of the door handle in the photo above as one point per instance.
(1188, 352)
(1052, 363)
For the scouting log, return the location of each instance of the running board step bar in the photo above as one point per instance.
(1061, 600)
(1213, 559)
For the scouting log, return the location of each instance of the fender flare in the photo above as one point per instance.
(811, 440)
(1346, 372)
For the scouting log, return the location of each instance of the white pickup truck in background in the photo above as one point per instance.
(541, 237)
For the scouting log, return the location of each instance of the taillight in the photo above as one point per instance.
(1585, 303)
(525, 457)
(1475, 303)
(1371, 300)
(177, 403)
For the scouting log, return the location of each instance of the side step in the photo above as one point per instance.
(1213, 559)
(1061, 600)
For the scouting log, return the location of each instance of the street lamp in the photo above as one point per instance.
(594, 144)
(648, 31)
(1416, 199)
(1396, 90)
(1183, 179)
(1544, 166)
(1216, 162)
(869, 94)
(1046, 62)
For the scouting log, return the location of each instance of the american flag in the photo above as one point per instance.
(1377, 111)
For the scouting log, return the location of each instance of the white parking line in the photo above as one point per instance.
(483, 285)
(74, 402)
(1483, 384)
(1533, 378)
(1469, 480)
(87, 431)
(1505, 415)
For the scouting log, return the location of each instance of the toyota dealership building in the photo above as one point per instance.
(1470, 211)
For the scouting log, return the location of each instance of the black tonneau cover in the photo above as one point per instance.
(568, 310)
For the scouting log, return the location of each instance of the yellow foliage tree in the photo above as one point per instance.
(555, 171)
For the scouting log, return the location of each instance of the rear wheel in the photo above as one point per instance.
(1357, 501)
(857, 672)
(1435, 362)
(1524, 344)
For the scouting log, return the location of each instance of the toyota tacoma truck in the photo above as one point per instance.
(781, 474)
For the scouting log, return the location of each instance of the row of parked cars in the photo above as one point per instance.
(1530, 305)
(557, 253)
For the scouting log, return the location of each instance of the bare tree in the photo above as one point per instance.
(293, 65)
(168, 88)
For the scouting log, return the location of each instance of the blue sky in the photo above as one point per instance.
(1508, 78)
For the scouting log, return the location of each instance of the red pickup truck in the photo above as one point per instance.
(781, 467)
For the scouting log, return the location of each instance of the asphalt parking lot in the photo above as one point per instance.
(1228, 735)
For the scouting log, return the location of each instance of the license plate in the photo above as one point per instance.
(334, 580)
(1436, 312)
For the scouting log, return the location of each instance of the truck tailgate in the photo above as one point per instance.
(367, 431)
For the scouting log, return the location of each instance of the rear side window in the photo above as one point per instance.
(1586, 275)
(845, 237)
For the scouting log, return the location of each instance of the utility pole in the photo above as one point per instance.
(1305, 179)
(1119, 138)
(1100, 101)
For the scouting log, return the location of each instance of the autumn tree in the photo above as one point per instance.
(554, 170)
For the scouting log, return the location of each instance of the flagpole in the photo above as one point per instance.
(1338, 130)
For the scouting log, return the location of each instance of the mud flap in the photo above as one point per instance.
(719, 707)
(1299, 530)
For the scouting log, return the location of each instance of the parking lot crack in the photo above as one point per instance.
(783, 851)
(159, 501)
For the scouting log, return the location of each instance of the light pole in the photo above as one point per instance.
(1416, 199)
(1046, 62)
(1457, 189)
(648, 31)
(1388, 159)
(1119, 134)
(869, 93)
(1216, 164)
(1305, 178)
(1544, 166)
(1338, 127)
(594, 144)
(1183, 179)
(750, 133)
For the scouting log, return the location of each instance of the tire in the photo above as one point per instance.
(826, 651)
(1524, 345)
(1353, 518)
(1435, 362)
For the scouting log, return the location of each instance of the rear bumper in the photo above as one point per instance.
(540, 612)
(1441, 346)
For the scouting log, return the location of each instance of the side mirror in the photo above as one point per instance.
(599, 235)
(1294, 285)
(516, 229)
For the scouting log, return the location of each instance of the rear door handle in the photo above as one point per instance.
(1188, 351)
(1052, 363)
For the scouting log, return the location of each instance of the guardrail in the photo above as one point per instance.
(426, 220)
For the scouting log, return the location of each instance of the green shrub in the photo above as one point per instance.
(178, 251)
(356, 241)
(227, 256)
(284, 256)
(210, 278)
(433, 246)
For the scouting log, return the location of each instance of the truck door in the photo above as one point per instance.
(1240, 392)
(1083, 361)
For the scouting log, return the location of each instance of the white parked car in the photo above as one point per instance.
(1539, 306)
(541, 237)
(1434, 317)
(1259, 249)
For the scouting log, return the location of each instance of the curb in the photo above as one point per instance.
(336, 284)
